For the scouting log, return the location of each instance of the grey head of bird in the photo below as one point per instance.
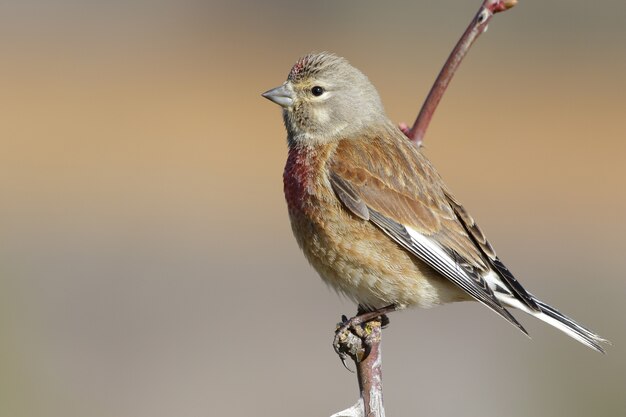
(326, 99)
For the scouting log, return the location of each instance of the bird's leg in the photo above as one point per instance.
(384, 319)
(351, 334)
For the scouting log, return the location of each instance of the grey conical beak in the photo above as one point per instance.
(283, 95)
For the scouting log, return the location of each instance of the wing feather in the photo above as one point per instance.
(481, 241)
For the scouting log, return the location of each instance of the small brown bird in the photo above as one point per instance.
(372, 214)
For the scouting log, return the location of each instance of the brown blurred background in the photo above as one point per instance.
(147, 267)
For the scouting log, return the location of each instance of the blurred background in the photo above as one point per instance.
(147, 266)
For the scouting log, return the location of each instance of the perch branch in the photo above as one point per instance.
(361, 343)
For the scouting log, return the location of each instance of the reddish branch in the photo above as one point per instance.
(370, 372)
(476, 27)
(362, 342)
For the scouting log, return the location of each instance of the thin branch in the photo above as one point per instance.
(370, 372)
(476, 27)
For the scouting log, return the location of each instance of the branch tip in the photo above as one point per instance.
(477, 26)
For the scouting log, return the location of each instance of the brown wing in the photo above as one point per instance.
(383, 178)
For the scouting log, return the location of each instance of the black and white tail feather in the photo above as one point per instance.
(546, 314)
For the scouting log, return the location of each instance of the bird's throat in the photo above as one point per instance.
(301, 178)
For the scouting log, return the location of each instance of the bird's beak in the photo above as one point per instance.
(283, 95)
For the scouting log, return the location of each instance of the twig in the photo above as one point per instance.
(476, 27)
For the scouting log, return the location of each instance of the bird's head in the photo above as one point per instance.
(326, 99)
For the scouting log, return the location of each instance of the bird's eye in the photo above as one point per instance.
(317, 91)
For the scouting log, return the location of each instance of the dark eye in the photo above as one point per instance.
(317, 91)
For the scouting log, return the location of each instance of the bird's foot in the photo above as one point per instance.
(351, 336)
(348, 341)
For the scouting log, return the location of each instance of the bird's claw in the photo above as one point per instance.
(343, 357)
(348, 341)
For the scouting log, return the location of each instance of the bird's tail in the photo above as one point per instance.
(546, 314)
(554, 318)
(568, 326)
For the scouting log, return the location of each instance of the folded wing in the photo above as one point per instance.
(395, 187)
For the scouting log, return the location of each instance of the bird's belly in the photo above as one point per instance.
(357, 259)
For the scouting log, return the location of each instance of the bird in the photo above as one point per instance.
(374, 217)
